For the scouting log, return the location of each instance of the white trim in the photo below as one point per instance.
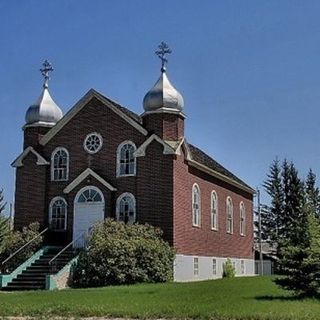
(232, 215)
(84, 175)
(79, 193)
(242, 210)
(141, 151)
(79, 106)
(215, 195)
(164, 110)
(66, 212)
(86, 138)
(196, 186)
(126, 194)
(18, 162)
(52, 163)
(121, 145)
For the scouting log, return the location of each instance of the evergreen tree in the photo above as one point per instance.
(312, 193)
(271, 218)
(300, 261)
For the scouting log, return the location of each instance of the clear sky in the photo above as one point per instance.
(249, 71)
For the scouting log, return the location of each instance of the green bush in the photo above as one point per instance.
(13, 240)
(228, 269)
(118, 253)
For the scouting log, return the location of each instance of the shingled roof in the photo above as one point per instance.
(196, 154)
(202, 158)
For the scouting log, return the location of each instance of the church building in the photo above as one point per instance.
(102, 160)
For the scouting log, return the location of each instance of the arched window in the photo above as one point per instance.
(126, 161)
(58, 214)
(229, 214)
(242, 219)
(214, 210)
(90, 194)
(196, 205)
(126, 208)
(60, 165)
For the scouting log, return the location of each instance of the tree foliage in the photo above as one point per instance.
(118, 253)
(13, 240)
(293, 225)
(4, 222)
(228, 269)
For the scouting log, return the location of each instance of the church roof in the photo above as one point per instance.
(201, 157)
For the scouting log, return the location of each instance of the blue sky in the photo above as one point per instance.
(249, 71)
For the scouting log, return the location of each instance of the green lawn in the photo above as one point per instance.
(238, 298)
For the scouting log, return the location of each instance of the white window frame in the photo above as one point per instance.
(87, 137)
(119, 199)
(196, 266)
(196, 212)
(53, 169)
(229, 215)
(214, 267)
(242, 219)
(214, 211)
(121, 145)
(52, 202)
(242, 267)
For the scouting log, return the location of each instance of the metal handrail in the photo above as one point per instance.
(24, 246)
(64, 249)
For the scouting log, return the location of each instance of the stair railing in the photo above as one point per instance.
(22, 247)
(53, 261)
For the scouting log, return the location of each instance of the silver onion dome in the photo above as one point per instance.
(44, 111)
(163, 95)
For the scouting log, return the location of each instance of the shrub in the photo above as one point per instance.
(118, 253)
(228, 269)
(13, 240)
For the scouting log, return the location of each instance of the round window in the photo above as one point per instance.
(93, 142)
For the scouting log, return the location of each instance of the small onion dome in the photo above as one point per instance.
(44, 111)
(163, 96)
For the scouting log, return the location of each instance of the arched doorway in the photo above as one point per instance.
(88, 209)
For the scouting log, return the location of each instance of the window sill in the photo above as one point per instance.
(126, 175)
(214, 229)
(196, 226)
(231, 233)
(242, 235)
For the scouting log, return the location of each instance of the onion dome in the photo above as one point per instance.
(44, 111)
(163, 96)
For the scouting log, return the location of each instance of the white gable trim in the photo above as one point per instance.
(141, 151)
(84, 175)
(79, 106)
(220, 176)
(18, 162)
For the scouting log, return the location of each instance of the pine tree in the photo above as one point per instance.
(312, 193)
(300, 261)
(271, 218)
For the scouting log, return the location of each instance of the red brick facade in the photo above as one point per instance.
(162, 185)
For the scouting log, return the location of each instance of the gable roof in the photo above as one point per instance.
(129, 116)
(200, 157)
(18, 162)
(84, 175)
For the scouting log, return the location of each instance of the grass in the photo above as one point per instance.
(237, 298)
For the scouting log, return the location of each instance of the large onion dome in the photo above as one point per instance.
(44, 111)
(163, 96)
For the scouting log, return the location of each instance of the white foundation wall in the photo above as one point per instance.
(184, 267)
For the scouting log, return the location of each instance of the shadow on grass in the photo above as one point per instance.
(280, 298)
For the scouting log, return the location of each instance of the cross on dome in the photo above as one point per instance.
(163, 50)
(47, 67)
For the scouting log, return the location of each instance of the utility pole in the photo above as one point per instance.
(260, 233)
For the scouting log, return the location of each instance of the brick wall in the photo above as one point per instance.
(202, 240)
(166, 125)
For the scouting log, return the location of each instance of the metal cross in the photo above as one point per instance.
(47, 67)
(163, 50)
